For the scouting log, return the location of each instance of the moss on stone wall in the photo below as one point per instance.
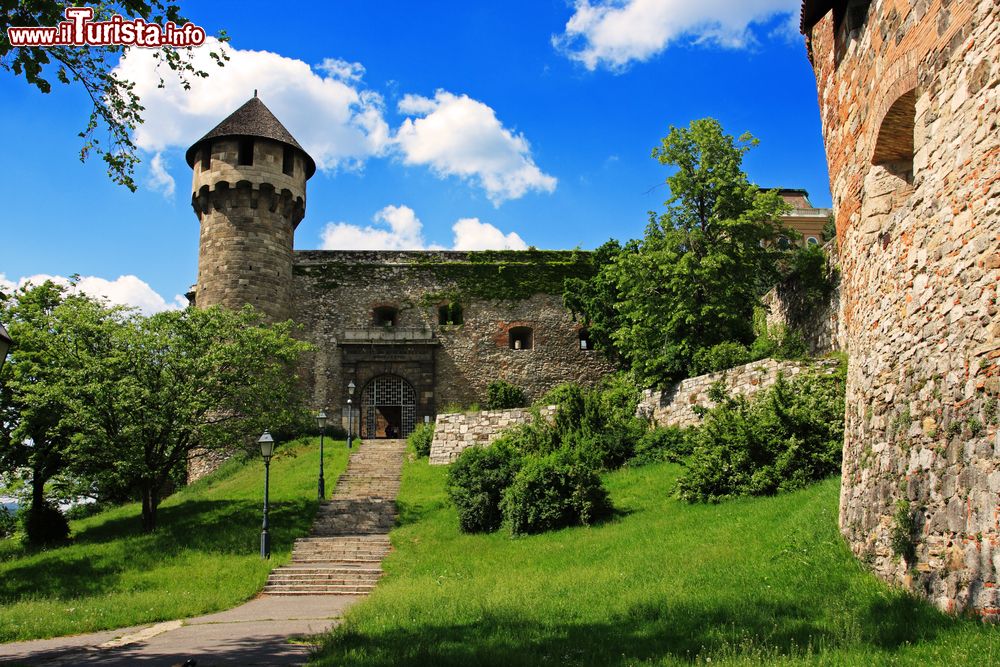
(502, 275)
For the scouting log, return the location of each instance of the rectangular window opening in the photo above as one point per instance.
(246, 152)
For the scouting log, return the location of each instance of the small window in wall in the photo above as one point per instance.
(245, 156)
(288, 161)
(450, 313)
(521, 338)
(206, 157)
(812, 240)
(784, 243)
(585, 340)
(385, 316)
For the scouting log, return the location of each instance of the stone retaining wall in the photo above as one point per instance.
(453, 433)
(676, 405)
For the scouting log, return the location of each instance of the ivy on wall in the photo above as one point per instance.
(501, 275)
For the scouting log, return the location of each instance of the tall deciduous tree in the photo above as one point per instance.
(180, 381)
(55, 335)
(693, 280)
(115, 106)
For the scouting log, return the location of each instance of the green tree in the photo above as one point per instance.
(114, 104)
(181, 381)
(54, 335)
(693, 280)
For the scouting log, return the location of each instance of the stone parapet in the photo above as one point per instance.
(679, 404)
(453, 433)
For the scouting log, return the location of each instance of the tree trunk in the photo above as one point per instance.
(37, 489)
(150, 501)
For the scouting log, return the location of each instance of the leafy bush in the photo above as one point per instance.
(552, 492)
(669, 443)
(420, 439)
(599, 424)
(788, 437)
(477, 481)
(8, 524)
(720, 357)
(904, 528)
(502, 395)
(44, 524)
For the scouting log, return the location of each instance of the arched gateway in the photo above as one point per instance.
(388, 408)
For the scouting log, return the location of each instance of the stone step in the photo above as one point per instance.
(319, 590)
(339, 560)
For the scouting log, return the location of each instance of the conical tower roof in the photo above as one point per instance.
(253, 119)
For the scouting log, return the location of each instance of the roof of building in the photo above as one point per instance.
(253, 119)
(812, 12)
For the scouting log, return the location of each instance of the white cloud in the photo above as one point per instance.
(160, 179)
(396, 228)
(338, 122)
(614, 33)
(399, 228)
(472, 234)
(123, 291)
(460, 136)
(341, 69)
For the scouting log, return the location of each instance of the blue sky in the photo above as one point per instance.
(437, 124)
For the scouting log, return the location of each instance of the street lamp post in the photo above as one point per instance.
(350, 414)
(266, 443)
(321, 422)
(5, 343)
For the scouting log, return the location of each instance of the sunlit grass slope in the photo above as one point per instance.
(756, 581)
(203, 557)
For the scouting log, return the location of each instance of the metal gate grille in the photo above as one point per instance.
(388, 391)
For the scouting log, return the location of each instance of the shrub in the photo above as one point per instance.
(720, 357)
(788, 437)
(477, 481)
(502, 395)
(8, 524)
(552, 492)
(44, 524)
(669, 443)
(420, 439)
(599, 424)
(904, 528)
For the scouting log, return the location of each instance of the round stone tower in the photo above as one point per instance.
(908, 100)
(249, 193)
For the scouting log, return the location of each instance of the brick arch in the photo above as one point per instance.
(894, 142)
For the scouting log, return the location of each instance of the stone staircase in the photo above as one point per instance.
(350, 536)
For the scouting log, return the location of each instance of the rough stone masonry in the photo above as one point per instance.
(908, 99)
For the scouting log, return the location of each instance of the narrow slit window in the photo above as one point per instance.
(585, 340)
(206, 157)
(246, 152)
(288, 161)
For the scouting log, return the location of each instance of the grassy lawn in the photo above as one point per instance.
(758, 581)
(204, 556)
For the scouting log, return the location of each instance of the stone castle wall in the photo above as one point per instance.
(677, 405)
(910, 121)
(820, 324)
(454, 433)
(337, 292)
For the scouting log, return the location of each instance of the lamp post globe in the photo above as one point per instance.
(321, 422)
(266, 443)
(5, 343)
(350, 414)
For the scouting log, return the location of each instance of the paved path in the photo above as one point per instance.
(349, 539)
